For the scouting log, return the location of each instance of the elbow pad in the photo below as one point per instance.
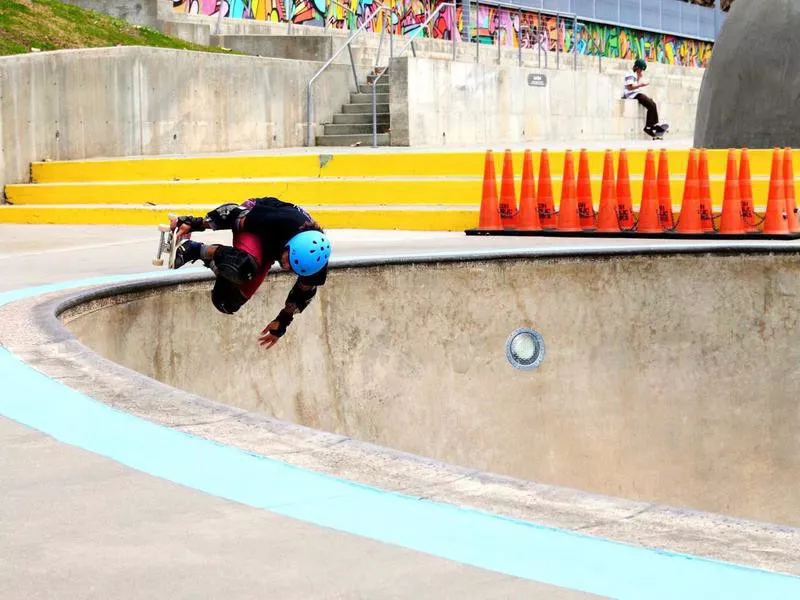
(224, 217)
(300, 297)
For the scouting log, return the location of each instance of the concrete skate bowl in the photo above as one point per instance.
(669, 379)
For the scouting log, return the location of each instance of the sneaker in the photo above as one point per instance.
(187, 251)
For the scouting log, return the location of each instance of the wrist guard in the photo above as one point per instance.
(224, 217)
(300, 298)
(284, 319)
(195, 223)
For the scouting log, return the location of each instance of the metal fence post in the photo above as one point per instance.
(519, 36)
(575, 43)
(219, 20)
(539, 37)
(388, 15)
(453, 27)
(477, 32)
(558, 46)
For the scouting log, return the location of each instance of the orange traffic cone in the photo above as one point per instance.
(624, 204)
(664, 191)
(508, 197)
(648, 210)
(706, 210)
(585, 206)
(607, 221)
(732, 222)
(775, 221)
(791, 203)
(689, 219)
(568, 208)
(490, 213)
(746, 193)
(528, 213)
(545, 198)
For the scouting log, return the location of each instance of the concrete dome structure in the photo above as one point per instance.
(750, 94)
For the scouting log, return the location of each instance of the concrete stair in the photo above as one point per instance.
(353, 126)
(412, 190)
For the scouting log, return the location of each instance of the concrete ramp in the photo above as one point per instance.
(669, 379)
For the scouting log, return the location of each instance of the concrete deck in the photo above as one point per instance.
(81, 525)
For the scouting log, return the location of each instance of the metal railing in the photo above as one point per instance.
(596, 49)
(561, 17)
(382, 10)
(412, 37)
(671, 17)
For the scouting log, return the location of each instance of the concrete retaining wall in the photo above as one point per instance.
(139, 12)
(316, 48)
(436, 102)
(148, 101)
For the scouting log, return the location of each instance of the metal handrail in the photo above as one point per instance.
(595, 47)
(412, 37)
(509, 31)
(340, 5)
(309, 93)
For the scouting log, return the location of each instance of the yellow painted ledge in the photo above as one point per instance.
(351, 192)
(323, 165)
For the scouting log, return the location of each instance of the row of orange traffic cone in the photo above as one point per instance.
(536, 211)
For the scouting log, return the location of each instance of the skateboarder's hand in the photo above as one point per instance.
(182, 231)
(267, 339)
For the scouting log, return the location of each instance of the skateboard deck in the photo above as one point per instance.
(167, 244)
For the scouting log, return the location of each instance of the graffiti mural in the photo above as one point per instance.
(403, 17)
(595, 38)
(487, 25)
(530, 30)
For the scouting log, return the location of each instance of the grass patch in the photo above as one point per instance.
(53, 25)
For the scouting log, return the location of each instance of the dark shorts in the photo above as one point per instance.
(226, 295)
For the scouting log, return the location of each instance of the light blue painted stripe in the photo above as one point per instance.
(468, 536)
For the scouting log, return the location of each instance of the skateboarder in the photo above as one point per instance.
(265, 230)
(633, 82)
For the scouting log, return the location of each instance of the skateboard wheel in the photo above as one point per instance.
(158, 262)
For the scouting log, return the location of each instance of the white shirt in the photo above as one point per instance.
(630, 80)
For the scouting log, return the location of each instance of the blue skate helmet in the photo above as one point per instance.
(309, 252)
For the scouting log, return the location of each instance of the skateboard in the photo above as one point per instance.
(167, 244)
(660, 130)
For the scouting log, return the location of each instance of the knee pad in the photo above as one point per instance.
(234, 265)
(226, 297)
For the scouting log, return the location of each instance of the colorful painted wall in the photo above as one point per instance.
(485, 24)
(405, 17)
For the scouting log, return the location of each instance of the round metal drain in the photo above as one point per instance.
(525, 349)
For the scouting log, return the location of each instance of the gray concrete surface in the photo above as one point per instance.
(438, 102)
(749, 95)
(307, 47)
(75, 525)
(643, 394)
(79, 526)
(140, 12)
(131, 101)
(29, 329)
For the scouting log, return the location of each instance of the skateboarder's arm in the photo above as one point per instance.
(298, 299)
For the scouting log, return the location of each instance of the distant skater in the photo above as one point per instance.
(633, 82)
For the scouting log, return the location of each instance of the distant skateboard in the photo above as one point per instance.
(167, 244)
(659, 131)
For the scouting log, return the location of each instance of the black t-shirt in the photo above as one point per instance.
(276, 222)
